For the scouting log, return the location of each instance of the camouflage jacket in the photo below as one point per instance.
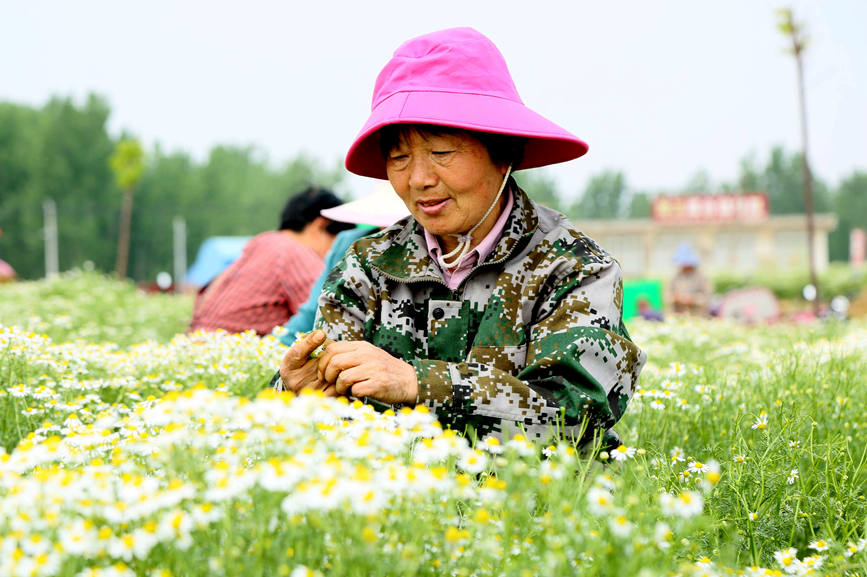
(532, 339)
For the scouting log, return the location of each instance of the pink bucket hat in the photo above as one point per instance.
(457, 78)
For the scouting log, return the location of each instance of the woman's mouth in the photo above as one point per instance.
(432, 207)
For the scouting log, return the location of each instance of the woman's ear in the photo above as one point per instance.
(320, 223)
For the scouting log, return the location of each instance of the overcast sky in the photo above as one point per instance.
(658, 89)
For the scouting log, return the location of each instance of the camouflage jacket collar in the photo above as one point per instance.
(407, 259)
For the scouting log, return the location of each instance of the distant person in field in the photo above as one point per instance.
(273, 276)
(689, 291)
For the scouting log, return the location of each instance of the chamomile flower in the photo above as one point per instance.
(761, 421)
(811, 564)
(685, 504)
(704, 563)
(819, 545)
(788, 559)
(492, 445)
(622, 453)
(473, 461)
(620, 526)
(662, 535)
(600, 501)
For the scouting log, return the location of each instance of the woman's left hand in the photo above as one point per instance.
(361, 369)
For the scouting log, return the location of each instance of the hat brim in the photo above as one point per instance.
(382, 208)
(547, 143)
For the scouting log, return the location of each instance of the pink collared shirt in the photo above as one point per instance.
(454, 277)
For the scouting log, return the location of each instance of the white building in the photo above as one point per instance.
(730, 242)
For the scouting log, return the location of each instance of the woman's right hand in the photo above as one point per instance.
(299, 371)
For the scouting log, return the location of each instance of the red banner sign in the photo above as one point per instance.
(752, 207)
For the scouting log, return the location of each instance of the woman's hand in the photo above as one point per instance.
(361, 369)
(298, 371)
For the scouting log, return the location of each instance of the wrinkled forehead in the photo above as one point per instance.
(394, 135)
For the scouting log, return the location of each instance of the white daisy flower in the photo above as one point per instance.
(622, 453)
(819, 545)
(761, 421)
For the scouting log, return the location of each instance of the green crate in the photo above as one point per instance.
(636, 289)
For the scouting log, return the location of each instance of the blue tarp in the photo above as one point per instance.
(215, 254)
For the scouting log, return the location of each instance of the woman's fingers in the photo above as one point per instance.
(359, 368)
(338, 357)
(349, 377)
(299, 353)
(298, 370)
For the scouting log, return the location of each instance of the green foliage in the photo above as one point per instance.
(783, 180)
(850, 204)
(605, 196)
(541, 187)
(838, 279)
(88, 306)
(127, 163)
(59, 152)
(639, 206)
(63, 152)
(234, 193)
(700, 183)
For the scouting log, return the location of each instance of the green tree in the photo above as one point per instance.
(700, 183)
(781, 179)
(127, 164)
(605, 196)
(850, 204)
(20, 218)
(234, 193)
(70, 165)
(639, 205)
(541, 187)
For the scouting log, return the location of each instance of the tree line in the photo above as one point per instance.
(63, 150)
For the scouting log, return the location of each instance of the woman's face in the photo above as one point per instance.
(447, 182)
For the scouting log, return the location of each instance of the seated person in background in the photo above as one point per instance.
(486, 307)
(273, 276)
(689, 291)
(372, 213)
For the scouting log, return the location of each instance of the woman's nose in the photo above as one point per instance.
(421, 174)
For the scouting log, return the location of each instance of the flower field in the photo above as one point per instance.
(126, 450)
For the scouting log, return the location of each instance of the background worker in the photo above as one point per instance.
(273, 276)
(689, 291)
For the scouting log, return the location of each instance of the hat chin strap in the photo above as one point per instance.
(465, 240)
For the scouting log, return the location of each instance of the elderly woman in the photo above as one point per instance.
(484, 306)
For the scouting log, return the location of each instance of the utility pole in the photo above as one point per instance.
(795, 32)
(179, 245)
(49, 231)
